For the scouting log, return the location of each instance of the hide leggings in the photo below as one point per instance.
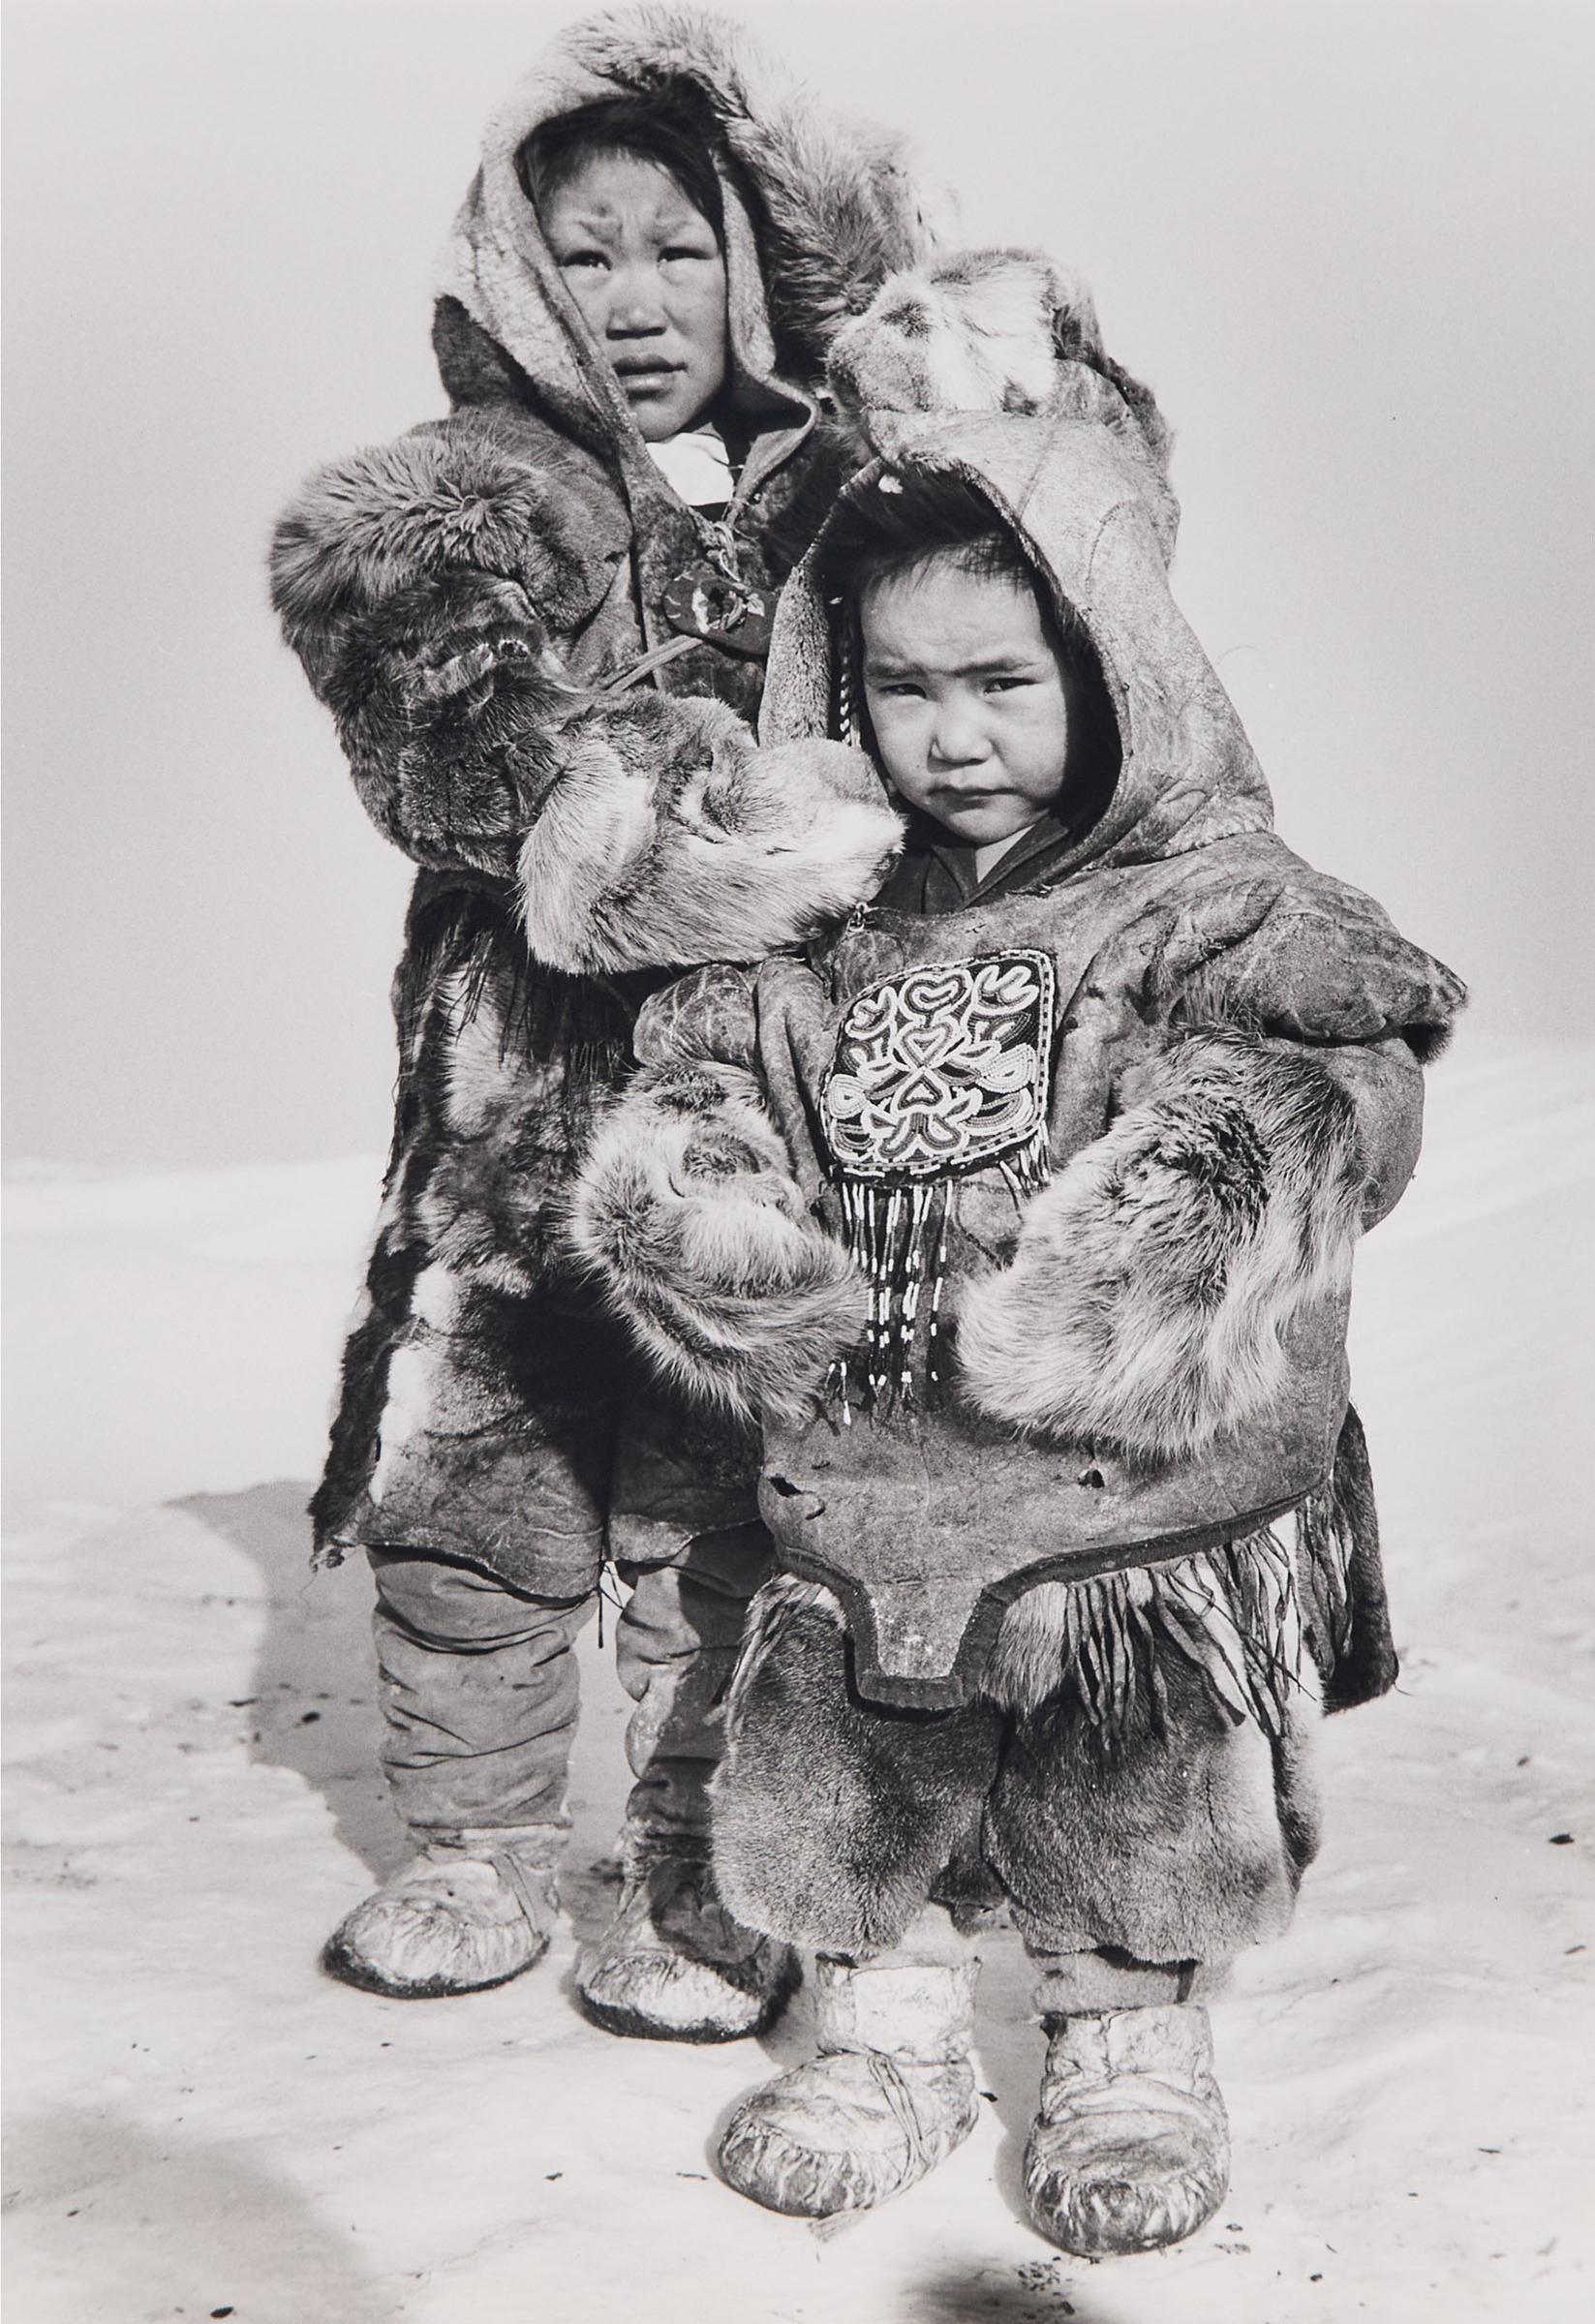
(479, 1686)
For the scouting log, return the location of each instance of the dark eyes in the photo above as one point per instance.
(600, 257)
(907, 689)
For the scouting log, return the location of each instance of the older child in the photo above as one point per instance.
(1022, 1209)
(572, 573)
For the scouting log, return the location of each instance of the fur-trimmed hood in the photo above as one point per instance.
(1077, 488)
(1099, 1140)
(817, 211)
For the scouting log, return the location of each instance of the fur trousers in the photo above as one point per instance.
(1176, 1831)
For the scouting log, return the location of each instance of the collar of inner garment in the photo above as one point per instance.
(698, 467)
(988, 857)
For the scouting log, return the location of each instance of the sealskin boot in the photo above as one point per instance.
(891, 2094)
(673, 1965)
(473, 1910)
(1130, 2150)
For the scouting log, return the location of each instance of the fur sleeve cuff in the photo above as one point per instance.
(669, 838)
(686, 1212)
(1155, 1278)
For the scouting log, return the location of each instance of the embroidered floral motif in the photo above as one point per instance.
(942, 1069)
(937, 1072)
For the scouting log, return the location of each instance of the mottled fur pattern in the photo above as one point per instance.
(1181, 1837)
(686, 1212)
(837, 208)
(669, 839)
(1156, 1278)
(995, 331)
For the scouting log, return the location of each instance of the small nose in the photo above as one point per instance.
(636, 307)
(957, 738)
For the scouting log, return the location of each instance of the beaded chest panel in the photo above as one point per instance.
(938, 1072)
(942, 1069)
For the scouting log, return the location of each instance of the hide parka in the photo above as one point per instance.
(1023, 1211)
(509, 600)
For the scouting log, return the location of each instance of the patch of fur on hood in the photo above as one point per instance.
(670, 838)
(686, 1212)
(996, 330)
(1155, 1278)
(839, 211)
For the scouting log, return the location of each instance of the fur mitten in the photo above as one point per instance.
(420, 584)
(687, 1210)
(670, 838)
(456, 496)
(1156, 1276)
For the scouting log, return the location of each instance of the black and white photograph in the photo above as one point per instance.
(799, 1156)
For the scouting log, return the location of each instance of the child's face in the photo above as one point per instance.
(646, 271)
(967, 698)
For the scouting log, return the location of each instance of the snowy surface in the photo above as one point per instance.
(203, 2124)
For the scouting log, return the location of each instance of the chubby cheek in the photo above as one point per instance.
(1036, 749)
(900, 740)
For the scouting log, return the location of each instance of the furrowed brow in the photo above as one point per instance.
(987, 665)
(599, 226)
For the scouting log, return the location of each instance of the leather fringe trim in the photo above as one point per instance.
(1233, 1613)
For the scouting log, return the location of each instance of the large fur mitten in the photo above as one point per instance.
(670, 838)
(687, 1210)
(1155, 1277)
(420, 583)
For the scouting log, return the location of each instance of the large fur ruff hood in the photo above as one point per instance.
(817, 212)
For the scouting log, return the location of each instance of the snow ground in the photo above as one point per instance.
(205, 2126)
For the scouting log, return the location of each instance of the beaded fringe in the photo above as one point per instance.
(898, 1237)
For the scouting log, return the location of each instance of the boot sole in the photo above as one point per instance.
(350, 1969)
(616, 2019)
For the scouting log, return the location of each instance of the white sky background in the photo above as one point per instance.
(1349, 245)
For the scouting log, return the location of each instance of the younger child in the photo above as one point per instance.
(1022, 1210)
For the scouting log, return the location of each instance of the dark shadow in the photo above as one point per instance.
(1045, 2290)
(179, 2225)
(313, 1704)
(588, 1893)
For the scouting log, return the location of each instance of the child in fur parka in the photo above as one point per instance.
(537, 622)
(1022, 1211)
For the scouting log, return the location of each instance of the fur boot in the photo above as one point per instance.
(472, 1911)
(673, 1965)
(891, 2094)
(1131, 2148)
